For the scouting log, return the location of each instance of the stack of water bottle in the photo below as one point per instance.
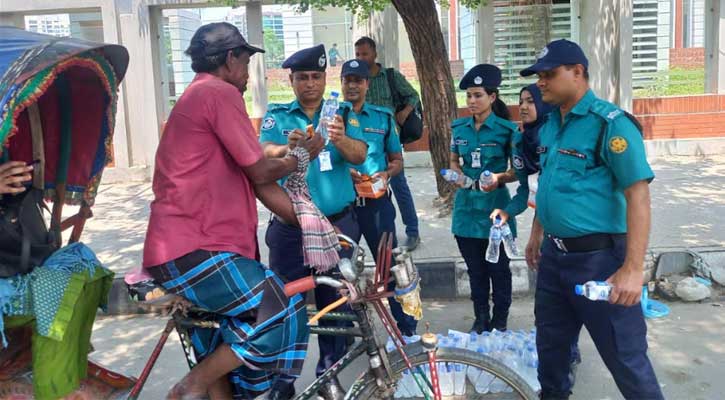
(515, 349)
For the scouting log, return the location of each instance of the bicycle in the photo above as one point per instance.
(382, 377)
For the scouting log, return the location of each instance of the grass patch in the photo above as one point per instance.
(674, 82)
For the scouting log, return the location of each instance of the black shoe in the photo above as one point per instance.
(483, 318)
(282, 391)
(479, 327)
(499, 320)
(331, 391)
(411, 242)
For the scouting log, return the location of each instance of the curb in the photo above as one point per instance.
(441, 279)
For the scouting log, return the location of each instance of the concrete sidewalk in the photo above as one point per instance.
(688, 211)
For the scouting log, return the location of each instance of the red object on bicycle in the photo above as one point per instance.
(299, 286)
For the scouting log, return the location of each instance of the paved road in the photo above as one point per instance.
(686, 348)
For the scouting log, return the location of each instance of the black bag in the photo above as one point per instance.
(412, 129)
(25, 241)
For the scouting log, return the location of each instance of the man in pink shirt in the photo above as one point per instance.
(201, 241)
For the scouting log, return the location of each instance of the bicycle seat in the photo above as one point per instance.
(150, 295)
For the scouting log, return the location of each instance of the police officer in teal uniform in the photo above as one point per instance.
(330, 185)
(483, 142)
(384, 160)
(593, 208)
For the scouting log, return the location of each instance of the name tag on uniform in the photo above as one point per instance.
(573, 153)
(286, 132)
(325, 161)
(461, 142)
(476, 158)
(375, 130)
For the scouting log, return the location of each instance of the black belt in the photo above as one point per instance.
(340, 215)
(583, 244)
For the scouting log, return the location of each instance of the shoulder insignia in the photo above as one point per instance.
(618, 144)
(268, 123)
(518, 162)
(614, 114)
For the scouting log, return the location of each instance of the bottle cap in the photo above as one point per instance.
(486, 173)
(334, 94)
(579, 289)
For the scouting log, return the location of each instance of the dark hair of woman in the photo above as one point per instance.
(498, 107)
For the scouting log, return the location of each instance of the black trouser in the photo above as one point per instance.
(483, 274)
(618, 332)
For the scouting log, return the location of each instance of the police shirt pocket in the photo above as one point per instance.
(492, 151)
(572, 164)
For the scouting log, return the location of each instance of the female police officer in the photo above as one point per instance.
(482, 142)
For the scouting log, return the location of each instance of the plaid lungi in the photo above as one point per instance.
(265, 328)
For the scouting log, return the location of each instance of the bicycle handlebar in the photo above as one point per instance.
(310, 282)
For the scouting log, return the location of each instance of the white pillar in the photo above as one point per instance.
(112, 34)
(715, 46)
(257, 70)
(606, 38)
(485, 31)
(144, 88)
(382, 27)
(624, 58)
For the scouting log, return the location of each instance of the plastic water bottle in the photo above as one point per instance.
(498, 350)
(472, 341)
(479, 378)
(459, 380)
(512, 358)
(445, 375)
(402, 390)
(327, 116)
(531, 373)
(494, 242)
(509, 242)
(485, 179)
(594, 290)
(457, 178)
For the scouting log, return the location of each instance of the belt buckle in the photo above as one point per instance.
(559, 244)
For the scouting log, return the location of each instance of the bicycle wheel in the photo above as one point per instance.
(365, 388)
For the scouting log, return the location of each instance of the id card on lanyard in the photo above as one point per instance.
(476, 158)
(325, 161)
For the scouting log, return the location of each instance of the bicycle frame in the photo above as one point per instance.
(378, 363)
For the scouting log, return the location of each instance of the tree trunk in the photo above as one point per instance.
(436, 83)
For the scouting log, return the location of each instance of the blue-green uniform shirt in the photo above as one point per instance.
(332, 190)
(578, 196)
(471, 209)
(381, 134)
